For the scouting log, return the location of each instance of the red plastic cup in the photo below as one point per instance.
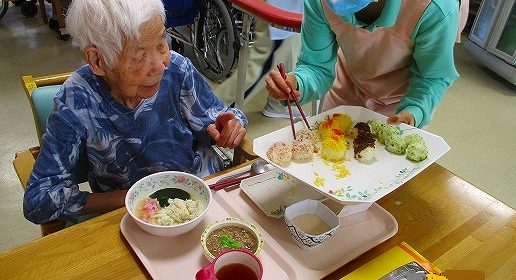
(232, 262)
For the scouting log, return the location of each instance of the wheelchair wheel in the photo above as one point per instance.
(216, 40)
(3, 8)
(29, 9)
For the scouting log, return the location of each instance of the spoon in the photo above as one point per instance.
(258, 167)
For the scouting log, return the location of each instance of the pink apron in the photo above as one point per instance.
(372, 68)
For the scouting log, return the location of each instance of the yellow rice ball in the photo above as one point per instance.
(333, 148)
(343, 122)
(337, 125)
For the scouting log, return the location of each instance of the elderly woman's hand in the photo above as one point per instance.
(402, 117)
(279, 87)
(226, 130)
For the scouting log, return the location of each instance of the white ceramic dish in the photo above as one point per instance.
(366, 182)
(275, 190)
(195, 186)
(304, 240)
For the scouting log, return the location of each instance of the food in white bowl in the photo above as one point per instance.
(310, 223)
(168, 203)
(230, 233)
(174, 211)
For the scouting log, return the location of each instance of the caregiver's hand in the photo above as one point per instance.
(278, 87)
(402, 117)
(226, 130)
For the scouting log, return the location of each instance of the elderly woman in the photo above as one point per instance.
(135, 109)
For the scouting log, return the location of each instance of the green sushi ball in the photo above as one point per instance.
(417, 151)
(414, 138)
(376, 127)
(395, 144)
(388, 131)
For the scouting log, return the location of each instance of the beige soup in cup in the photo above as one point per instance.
(310, 223)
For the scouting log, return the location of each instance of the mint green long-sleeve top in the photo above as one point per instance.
(433, 69)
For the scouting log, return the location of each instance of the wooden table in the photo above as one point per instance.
(449, 221)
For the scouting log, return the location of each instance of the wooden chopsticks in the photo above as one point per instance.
(281, 68)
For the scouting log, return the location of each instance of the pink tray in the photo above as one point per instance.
(182, 256)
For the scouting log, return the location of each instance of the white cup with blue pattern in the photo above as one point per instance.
(310, 223)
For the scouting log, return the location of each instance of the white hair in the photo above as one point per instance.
(107, 24)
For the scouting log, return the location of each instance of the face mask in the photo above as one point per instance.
(347, 7)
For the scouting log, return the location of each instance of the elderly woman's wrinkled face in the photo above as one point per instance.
(141, 64)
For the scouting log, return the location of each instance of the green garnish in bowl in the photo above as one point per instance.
(228, 242)
(165, 194)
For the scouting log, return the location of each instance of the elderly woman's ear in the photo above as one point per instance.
(95, 61)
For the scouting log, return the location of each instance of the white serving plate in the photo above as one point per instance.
(366, 182)
(275, 190)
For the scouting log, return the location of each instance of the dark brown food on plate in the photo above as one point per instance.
(364, 143)
(363, 127)
(231, 237)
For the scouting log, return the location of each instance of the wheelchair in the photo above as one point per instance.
(28, 8)
(211, 28)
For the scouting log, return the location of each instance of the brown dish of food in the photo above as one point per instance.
(231, 237)
(364, 143)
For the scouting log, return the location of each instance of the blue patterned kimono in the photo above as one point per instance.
(122, 145)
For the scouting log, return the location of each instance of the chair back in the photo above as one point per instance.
(40, 93)
(180, 12)
(42, 103)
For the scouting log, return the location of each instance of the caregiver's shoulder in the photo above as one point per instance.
(446, 6)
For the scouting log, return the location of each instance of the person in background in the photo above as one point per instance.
(463, 18)
(392, 56)
(270, 47)
(135, 109)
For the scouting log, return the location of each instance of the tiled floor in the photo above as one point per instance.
(476, 118)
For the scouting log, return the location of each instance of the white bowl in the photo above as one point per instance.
(307, 241)
(195, 186)
(230, 222)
